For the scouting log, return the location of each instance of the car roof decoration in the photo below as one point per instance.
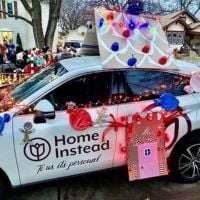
(134, 41)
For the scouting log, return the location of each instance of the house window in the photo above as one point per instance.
(4, 8)
(10, 8)
(180, 38)
(175, 37)
(1, 14)
(6, 36)
(169, 38)
(15, 8)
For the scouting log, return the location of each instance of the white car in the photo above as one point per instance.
(41, 140)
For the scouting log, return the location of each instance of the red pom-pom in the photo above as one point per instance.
(80, 119)
(121, 24)
(123, 150)
(126, 33)
(110, 17)
(146, 49)
(163, 60)
(116, 8)
(123, 118)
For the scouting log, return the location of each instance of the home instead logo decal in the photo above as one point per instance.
(38, 149)
(64, 146)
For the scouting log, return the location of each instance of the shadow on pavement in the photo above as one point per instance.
(110, 185)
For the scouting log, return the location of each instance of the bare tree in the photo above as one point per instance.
(160, 7)
(109, 4)
(34, 9)
(74, 13)
(165, 7)
(192, 5)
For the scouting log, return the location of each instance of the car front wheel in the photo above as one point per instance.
(185, 160)
(4, 189)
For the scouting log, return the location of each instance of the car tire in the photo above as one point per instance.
(4, 189)
(184, 162)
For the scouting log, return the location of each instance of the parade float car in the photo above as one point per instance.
(71, 118)
(91, 113)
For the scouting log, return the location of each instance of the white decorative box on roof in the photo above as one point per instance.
(132, 41)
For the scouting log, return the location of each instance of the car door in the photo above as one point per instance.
(79, 139)
(189, 105)
(140, 88)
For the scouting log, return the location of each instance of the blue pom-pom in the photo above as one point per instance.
(168, 101)
(6, 117)
(131, 62)
(135, 7)
(101, 22)
(1, 125)
(131, 26)
(115, 46)
(144, 25)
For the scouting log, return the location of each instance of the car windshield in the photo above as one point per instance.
(36, 82)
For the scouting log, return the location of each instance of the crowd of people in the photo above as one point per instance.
(29, 61)
(17, 64)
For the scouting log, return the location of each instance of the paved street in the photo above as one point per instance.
(112, 185)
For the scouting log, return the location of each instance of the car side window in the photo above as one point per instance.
(85, 91)
(146, 85)
(179, 82)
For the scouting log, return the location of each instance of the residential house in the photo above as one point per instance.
(182, 28)
(10, 27)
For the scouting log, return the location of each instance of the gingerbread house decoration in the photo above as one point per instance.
(146, 147)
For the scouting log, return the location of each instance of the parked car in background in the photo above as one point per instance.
(73, 46)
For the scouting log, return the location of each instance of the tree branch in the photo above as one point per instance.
(17, 16)
(27, 7)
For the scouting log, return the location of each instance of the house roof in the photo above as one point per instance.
(165, 22)
(195, 28)
(195, 25)
(175, 14)
(181, 12)
(194, 32)
(169, 19)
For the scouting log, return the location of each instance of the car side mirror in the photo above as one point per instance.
(43, 110)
